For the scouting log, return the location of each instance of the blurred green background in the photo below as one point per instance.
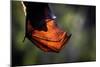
(76, 19)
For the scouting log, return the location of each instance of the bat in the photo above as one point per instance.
(42, 29)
